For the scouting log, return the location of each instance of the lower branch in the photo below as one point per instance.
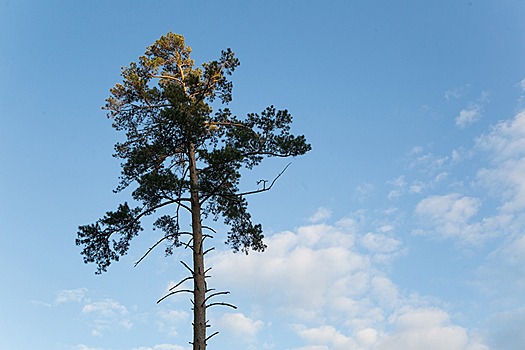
(175, 292)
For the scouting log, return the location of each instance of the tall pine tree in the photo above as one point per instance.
(181, 153)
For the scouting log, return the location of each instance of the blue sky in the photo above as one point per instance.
(403, 228)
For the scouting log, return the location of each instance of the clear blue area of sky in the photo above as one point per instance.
(413, 111)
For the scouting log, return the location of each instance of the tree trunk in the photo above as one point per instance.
(199, 283)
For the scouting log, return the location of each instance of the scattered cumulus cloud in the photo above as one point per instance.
(364, 191)
(505, 177)
(468, 116)
(426, 328)
(428, 163)
(451, 216)
(399, 185)
(106, 308)
(522, 85)
(325, 337)
(240, 325)
(107, 315)
(70, 296)
(472, 113)
(320, 215)
(506, 140)
(456, 93)
(171, 321)
(328, 282)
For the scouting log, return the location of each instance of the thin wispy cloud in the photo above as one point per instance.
(320, 215)
(364, 191)
(106, 315)
(472, 113)
(70, 296)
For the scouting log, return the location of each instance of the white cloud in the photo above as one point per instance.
(308, 262)
(325, 337)
(320, 215)
(84, 347)
(417, 187)
(505, 145)
(426, 328)
(506, 139)
(107, 308)
(240, 325)
(332, 294)
(426, 161)
(472, 112)
(507, 181)
(170, 321)
(381, 246)
(451, 216)
(163, 347)
(364, 191)
(456, 92)
(468, 116)
(107, 315)
(70, 296)
(453, 209)
(399, 184)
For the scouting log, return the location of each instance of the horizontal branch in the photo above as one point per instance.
(209, 228)
(216, 294)
(181, 282)
(221, 304)
(175, 292)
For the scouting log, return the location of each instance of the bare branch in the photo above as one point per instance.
(158, 242)
(181, 282)
(264, 189)
(175, 292)
(187, 245)
(186, 266)
(208, 338)
(209, 228)
(215, 294)
(208, 250)
(222, 304)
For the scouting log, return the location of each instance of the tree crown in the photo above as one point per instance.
(164, 107)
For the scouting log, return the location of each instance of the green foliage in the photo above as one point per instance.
(163, 106)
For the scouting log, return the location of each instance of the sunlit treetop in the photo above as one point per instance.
(164, 107)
